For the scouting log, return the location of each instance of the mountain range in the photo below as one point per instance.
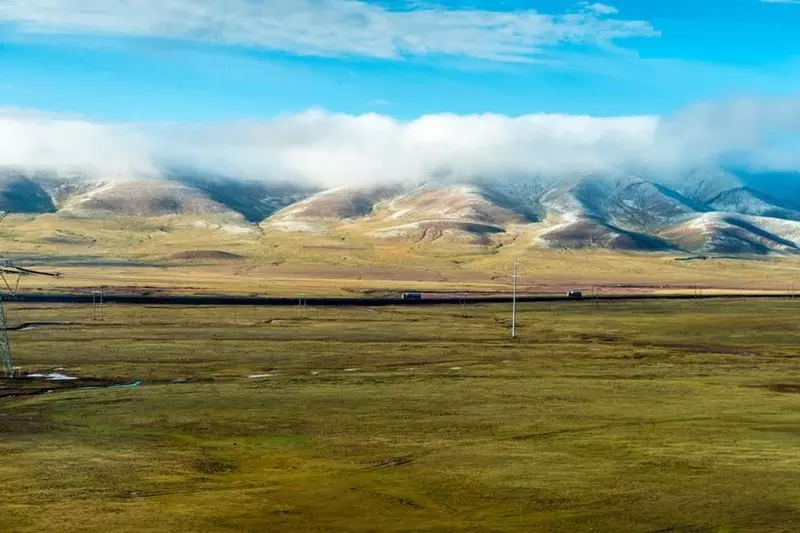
(708, 211)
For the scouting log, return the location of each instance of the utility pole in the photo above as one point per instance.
(514, 302)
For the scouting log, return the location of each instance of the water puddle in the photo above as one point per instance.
(116, 386)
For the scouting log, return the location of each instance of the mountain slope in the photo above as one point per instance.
(720, 233)
(425, 214)
(747, 201)
(632, 204)
(20, 194)
(584, 233)
(704, 211)
(143, 199)
(254, 200)
(335, 204)
(462, 203)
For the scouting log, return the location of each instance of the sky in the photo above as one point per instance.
(299, 86)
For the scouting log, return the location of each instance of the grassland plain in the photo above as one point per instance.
(173, 255)
(639, 417)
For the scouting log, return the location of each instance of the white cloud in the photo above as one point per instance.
(781, 2)
(602, 9)
(330, 149)
(331, 27)
(39, 140)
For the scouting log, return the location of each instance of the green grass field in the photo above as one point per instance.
(637, 417)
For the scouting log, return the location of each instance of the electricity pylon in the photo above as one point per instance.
(5, 345)
(8, 267)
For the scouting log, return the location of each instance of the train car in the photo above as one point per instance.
(575, 295)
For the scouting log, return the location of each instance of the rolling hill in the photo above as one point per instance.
(708, 211)
(145, 198)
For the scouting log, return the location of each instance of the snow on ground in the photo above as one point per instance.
(52, 377)
(564, 221)
(709, 225)
(296, 210)
(707, 222)
(297, 226)
(786, 229)
(452, 203)
(231, 229)
(238, 230)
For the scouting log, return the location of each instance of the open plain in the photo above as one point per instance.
(637, 416)
(170, 256)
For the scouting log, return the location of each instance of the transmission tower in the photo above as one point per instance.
(5, 345)
(97, 296)
(302, 305)
(11, 291)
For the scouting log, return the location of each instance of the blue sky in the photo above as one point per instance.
(221, 60)
(344, 92)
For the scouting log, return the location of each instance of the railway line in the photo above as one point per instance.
(232, 300)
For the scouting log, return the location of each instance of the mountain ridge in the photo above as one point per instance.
(708, 211)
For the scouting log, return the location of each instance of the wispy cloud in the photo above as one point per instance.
(333, 27)
(602, 9)
(331, 149)
(781, 2)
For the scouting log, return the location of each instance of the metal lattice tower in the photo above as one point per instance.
(5, 344)
(8, 267)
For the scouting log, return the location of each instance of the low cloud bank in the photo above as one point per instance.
(329, 149)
